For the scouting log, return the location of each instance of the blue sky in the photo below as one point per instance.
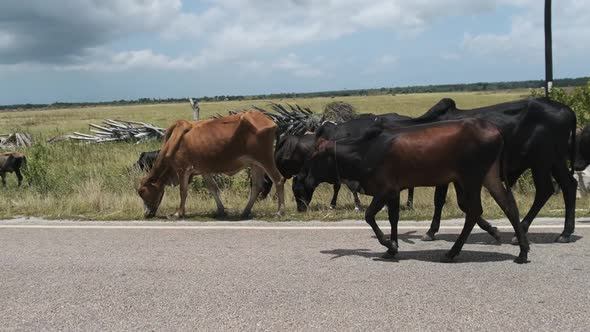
(85, 50)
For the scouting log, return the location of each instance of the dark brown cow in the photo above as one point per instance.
(222, 145)
(385, 161)
(12, 162)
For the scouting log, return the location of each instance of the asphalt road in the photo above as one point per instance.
(285, 276)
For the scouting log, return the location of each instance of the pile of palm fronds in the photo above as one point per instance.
(292, 120)
(297, 120)
(112, 130)
(11, 141)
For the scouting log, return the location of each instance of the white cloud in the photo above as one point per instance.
(290, 64)
(240, 31)
(386, 62)
(103, 60)
(525, 39)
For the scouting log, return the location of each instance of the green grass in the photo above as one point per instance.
(72, 180)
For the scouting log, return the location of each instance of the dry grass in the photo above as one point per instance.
(92, 181)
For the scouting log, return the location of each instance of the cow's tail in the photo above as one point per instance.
(573, 146)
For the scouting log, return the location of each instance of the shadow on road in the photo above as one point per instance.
(412, 237)
(435, 255)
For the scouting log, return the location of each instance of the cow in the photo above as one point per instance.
(537, 133)
(467, 152)
(291, 153)
(353, 129)
(146, 160)
(12, 162)
(356, 128)
(221, 145)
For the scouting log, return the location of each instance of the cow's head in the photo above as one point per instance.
(319, 168)
(582, 150)
(151, 192)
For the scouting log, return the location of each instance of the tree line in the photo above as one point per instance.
(468, 87)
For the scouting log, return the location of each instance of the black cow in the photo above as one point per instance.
(12, 162)
(466, 152)
(537, 133)
(146, 160)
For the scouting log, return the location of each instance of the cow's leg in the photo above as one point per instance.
(568, 185)
(183, 181)
(3, 176)
(410, 201)
(336, 187)
(440, 196)
(481, 222)
(393, 214)
(354, 189)
(543, 191)
(214, 191)
(473, 210)
(278, 180)
(376, 205)
(357, 200)
(19, 176)
(503, 196)
(257, 176)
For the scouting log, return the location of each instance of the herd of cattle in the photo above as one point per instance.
(380, 155)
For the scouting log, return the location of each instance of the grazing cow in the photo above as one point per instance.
(537, 133)
(292, 152)
(12, 162)
(222, 145)
(146, 160)
(466, 152)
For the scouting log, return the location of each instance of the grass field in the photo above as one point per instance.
(72, 180)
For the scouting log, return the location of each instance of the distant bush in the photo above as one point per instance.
(577, 98)
(37, 166)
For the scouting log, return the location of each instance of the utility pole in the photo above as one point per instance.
(548, 49)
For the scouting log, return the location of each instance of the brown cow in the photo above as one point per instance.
(467, 152)
(223, 145)
(12, 162)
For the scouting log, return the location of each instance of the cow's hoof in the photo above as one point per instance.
(391, 252)
(514, 241)
(245, 215)
(564, 238)
(446, 258)
(521, 259)
(496, 234)
(356, 208)
(177, 215)
(332, 207)
(428, 237)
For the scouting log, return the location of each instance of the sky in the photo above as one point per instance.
(91, 50)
